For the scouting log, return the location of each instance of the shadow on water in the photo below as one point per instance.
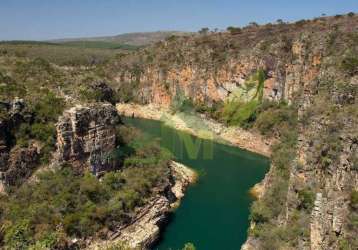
(214, 212)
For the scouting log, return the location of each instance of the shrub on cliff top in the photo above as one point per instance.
(45, 133)
(351, 14)
(63, 203)
(11, 89)
(48, 107)
(97, 91)
(234, 30)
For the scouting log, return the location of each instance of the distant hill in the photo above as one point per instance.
(123, 42)
(132, 39)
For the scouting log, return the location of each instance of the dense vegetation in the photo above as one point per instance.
(241, 108)
(64, 203)
(41, 127)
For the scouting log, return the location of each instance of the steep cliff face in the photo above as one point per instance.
(309, 64)
(323, 176)
(326, 165)
(208, 68)
(86, 136)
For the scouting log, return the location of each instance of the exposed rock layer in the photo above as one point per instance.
(330, 180)
(208, 68)
(144, 229)
(86, 136)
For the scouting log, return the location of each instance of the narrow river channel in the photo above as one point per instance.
(214, 212)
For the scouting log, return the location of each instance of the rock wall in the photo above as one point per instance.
(86, 136)
(298, 61)
(331, 182)
(16, 164)
(202, 86)
(144, 229)
(283, 78)
(20, 165)
(210, 67)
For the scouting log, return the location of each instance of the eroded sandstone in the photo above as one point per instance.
(86, 136)
(144, 229)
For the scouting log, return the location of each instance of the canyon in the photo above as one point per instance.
(300, 68)
(287, 91)
(84, 135)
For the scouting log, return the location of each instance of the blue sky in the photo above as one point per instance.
(49, 19)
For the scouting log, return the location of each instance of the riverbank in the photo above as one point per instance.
(208, 129)
(200, 126)
(228, 172)
(144, 229)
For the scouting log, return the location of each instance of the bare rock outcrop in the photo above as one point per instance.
(16, 163)
(21, 164)
(330, 179)
(144, 229)
(86, 136)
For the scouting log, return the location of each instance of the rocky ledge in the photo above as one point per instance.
(144, 229)
(85, 134)
(208, 129)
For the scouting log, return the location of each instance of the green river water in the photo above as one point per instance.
(214, 212)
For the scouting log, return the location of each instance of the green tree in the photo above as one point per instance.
(204, 31)
(233, 30)
(351, 14)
